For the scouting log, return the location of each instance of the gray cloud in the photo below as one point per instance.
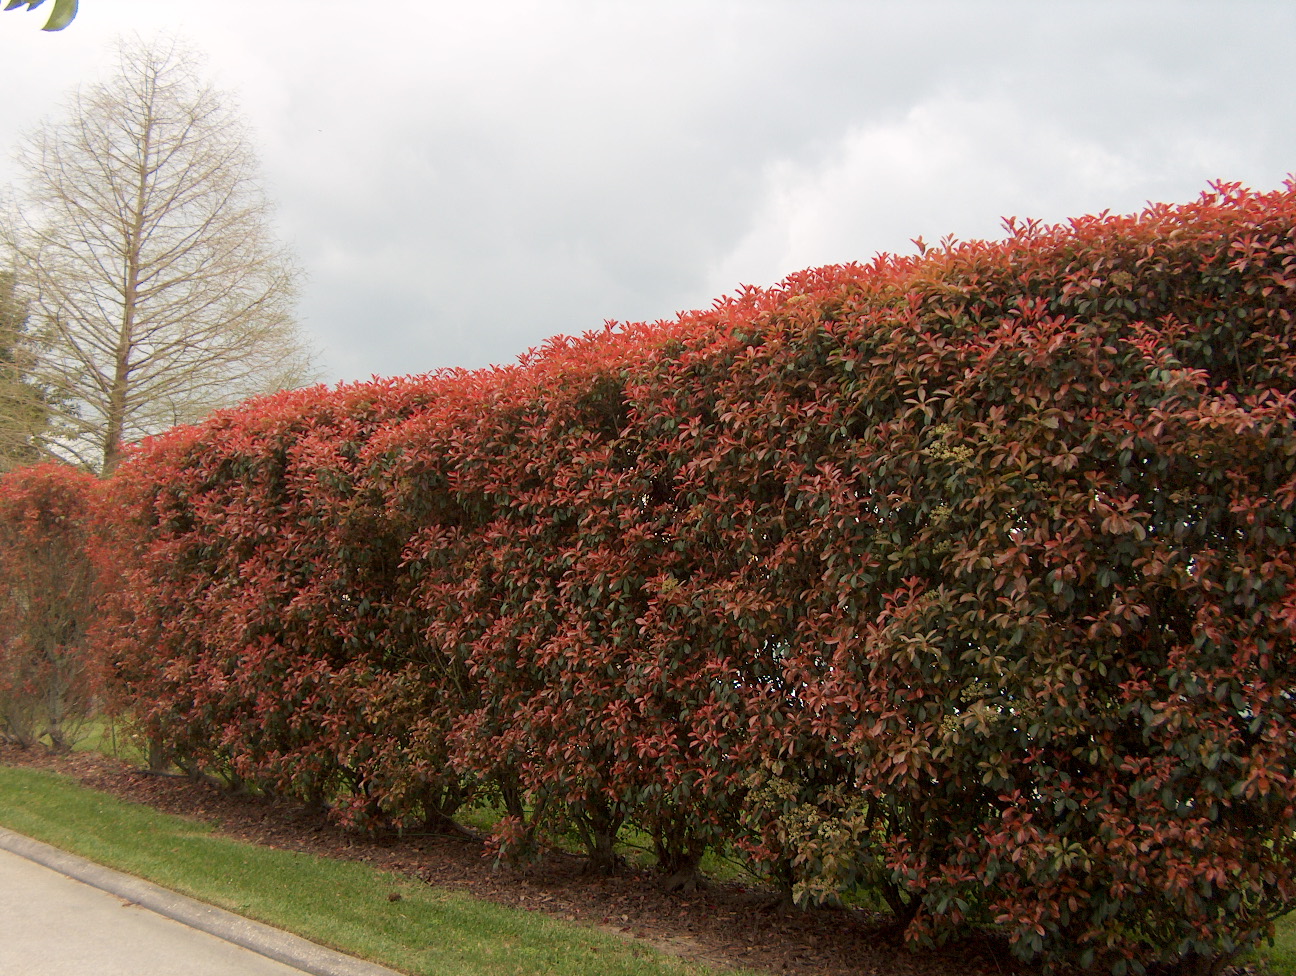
(462, 182)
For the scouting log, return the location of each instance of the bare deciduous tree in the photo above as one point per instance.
(143, 244)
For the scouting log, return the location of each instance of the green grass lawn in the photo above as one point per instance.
(112, 737)
(1280, 958)
(346, 905)
(341, 904)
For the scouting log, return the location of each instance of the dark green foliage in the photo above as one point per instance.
(24, 403)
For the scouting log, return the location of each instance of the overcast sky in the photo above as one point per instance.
(461, 181)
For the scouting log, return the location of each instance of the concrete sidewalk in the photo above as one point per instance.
(61, 915)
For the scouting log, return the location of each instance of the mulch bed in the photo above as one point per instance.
(720, 925)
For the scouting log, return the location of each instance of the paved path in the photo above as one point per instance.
(61, 915)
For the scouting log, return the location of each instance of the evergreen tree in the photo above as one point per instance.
(25, 414)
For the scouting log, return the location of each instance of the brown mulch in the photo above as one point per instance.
(721, 925)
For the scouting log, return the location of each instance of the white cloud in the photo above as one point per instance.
(955, 165)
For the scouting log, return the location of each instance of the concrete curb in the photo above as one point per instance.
(273, 943)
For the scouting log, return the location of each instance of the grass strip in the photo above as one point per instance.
(340, 904)
(1280, 958)
(345, 905)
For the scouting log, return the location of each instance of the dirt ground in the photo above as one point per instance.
(721, 925)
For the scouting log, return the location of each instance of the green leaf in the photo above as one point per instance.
(64, 11)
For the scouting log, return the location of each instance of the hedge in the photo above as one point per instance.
(965, 578)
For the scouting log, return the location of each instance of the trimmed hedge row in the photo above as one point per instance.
(965, 577)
